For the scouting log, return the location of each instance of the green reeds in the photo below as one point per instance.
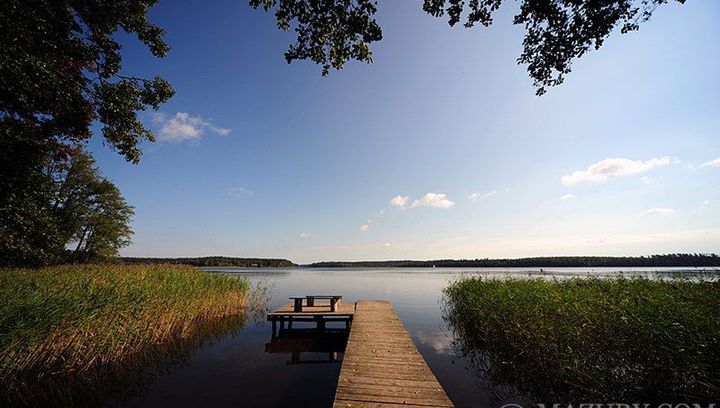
(71, 329)
(589, 340)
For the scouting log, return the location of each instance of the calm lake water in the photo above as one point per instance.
(237, 370)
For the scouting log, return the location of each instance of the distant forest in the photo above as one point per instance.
(700, 260)
(215, 261)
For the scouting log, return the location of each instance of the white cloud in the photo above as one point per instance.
(706, 202)
(714, 163)
(603, 170)
(434, 200)
(399, 201)
(660, 211)
(240, 192)
(184, 126)
(567, 197)
(305, 235)
(365, 227)
(482, 196)
(387, 244)
(220, 131)
(477, 196)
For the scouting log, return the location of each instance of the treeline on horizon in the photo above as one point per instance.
(219, 261)
(696, 260)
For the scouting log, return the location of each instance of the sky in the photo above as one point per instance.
(439, 149)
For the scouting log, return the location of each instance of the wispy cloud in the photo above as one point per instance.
(434, 200)
(606, 169)
(183, 126)
(240, 192)
(659, 211)
(387, 244)
(477, 196)
(399, 201)
(305, 235)
(707, 202)
(567, 197)
(714, 163)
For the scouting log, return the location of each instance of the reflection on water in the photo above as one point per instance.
(309, 346)
(244, 369)
(105, 383)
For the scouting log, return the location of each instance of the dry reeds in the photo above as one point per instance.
(86, 329)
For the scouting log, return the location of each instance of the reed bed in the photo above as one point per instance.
(70, 329)
(589, 340)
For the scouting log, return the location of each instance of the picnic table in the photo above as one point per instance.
(310, 301)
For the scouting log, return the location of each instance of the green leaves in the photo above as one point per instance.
(557, 31)
(90, 210)
(59, 72)
(60, 67)
(331, 32)
(118, 103)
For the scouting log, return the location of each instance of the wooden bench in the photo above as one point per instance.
(310, 301)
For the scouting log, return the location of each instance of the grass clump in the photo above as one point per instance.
(69, 329)
(589, 340)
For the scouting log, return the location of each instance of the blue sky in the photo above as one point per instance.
(438, 149)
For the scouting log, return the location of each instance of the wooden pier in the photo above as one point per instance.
(382, 367)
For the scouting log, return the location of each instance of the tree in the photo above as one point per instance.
(66, 204)
(90, 209)
(331, 32)
(60, 71)
(29, 234)
(103, 225)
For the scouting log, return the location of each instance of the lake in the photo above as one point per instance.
(237, 370)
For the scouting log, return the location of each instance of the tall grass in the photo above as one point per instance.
(589, 340)
(79, 328)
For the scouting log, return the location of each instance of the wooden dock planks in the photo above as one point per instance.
(382, 367)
